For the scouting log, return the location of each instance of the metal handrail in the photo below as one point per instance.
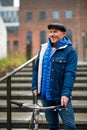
(17, 69)
(7, 77)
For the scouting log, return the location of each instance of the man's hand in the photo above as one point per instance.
(64, 101)
(35, 92)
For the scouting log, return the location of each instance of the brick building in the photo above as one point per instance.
(35, 15)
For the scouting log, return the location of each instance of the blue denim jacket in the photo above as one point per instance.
(63, 72)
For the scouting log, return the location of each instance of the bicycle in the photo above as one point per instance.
(36, 111)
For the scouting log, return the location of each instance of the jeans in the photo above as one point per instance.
(52, 116)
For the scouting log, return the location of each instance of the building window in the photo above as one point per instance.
(42, 37)
(55, 14)
(6, 2)
(29, 16)
(68, 14)
(42, 15)
(29, 37)
(69, 34)
(12, 30)
(14, 16)
(9, 16)
(15, 45)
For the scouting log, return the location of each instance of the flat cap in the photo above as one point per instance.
(59, 26)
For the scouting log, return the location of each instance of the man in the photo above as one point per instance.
(54, 76)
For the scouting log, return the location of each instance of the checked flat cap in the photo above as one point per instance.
(59, 26)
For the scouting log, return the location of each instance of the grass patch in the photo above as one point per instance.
(10, 63)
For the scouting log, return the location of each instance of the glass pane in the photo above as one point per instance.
(29, 16)
(42, 37)
(55, 14)
(42, 15)
(68, 14)
(29, 37)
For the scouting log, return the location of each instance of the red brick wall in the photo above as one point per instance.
(11, 39)
(77, 24)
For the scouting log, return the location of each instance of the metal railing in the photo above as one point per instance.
(7, 77)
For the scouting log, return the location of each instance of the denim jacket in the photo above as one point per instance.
(62, 75)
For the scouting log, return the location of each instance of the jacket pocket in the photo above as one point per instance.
(60, 60)
(59, 64)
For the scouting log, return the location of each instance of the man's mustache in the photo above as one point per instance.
(53, 37)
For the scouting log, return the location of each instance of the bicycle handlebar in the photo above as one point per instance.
(37, 106)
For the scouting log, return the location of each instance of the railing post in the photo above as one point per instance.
(33, 63)
(33, 68)
(8, 103)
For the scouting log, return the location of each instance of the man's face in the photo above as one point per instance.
(55, 35)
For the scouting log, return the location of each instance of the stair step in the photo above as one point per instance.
(81, 79)
(25, 117)
(27, 86)
(79, 93)
(23, 73)
(81, 73)
(29, 93)
(21, 91)
(75, 103)
(13, 85)
(21, 78)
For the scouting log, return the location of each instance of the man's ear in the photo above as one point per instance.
(64, 33)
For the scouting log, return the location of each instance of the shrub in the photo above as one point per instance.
(10, 63)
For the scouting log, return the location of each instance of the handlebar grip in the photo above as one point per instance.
(16, 103)
(62, 108)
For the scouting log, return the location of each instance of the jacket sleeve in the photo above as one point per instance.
(35, 75)
(70, 74)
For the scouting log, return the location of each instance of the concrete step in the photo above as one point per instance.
(13, 85)
(27, 86)
(81, 79)
(75, 103)
(22, 116)
(79, 85)
(81, 73)
(26, 69)
(21, 78)
(79, 93)
(22, 119)
(23, 74)
(30, 97)
(29, 93)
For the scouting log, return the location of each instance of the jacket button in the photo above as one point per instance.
(50, 89)
(51, 79)
(52, 70)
